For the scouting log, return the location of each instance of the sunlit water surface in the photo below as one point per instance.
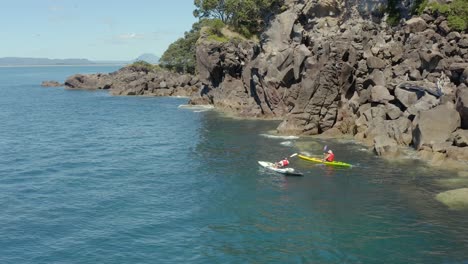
(90, 178)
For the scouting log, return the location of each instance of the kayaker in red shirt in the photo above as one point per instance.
(282, 163)
(329, 156)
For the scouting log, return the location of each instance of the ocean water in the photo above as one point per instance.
(90, 178)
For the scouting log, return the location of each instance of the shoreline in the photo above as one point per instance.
(61, 65)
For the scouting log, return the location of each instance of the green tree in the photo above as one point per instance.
(244, 16)
(180, 55)
(213, 8)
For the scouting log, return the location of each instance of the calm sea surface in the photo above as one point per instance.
(90, 178)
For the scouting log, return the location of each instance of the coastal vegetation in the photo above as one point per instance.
(246, 17)
(394, 12)
(180, 55)
(144, 66)
(455, 11)
(216, 17)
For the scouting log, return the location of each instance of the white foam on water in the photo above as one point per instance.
(306, 153)
(279, 137)
(287, 143)
(197, 108)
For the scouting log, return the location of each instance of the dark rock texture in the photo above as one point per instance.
(133, 81)
(321, 66)
(331, 67)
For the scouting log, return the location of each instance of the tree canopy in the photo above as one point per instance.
(180, 55)
(241, 15)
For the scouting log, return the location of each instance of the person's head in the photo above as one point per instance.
(330, 151)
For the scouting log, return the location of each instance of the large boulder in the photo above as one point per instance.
(455, 199)
(430, 59)
(435, 126)
(380, 94)
(385, 146)
(407, 98)
(460, 138)
(375, 63)
(424, 103)
(416, 24)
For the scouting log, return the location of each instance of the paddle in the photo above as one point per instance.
(295, 154)
(324, 152)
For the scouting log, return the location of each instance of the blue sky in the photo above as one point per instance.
(95, 30)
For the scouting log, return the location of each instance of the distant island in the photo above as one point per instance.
(24, 61)
(148, 57)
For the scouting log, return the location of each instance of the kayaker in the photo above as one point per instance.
(282, 163)
(329, 156)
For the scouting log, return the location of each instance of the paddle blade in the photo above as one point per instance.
(295, 154)
(325, 148)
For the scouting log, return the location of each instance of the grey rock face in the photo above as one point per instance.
(435, 126)
(131, 81)
(416, 25)
(460, 138)
(328, 66)
(462, 106)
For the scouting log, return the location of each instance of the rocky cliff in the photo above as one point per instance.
(335, 67)
(331, 67)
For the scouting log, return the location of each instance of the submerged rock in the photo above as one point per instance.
(455, 199)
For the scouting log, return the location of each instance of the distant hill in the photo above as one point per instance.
(19, 61)
(16, 61)
(148, 57)
(23, 61)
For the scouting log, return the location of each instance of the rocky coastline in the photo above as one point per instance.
(327, 68)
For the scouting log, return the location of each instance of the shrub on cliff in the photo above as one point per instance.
(143, 66)
(216, 26)
(394, 13)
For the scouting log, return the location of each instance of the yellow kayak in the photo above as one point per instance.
(332, 163)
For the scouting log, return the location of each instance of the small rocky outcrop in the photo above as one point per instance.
(137, 81)
(51, 84)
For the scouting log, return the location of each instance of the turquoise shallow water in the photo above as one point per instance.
(90, 178)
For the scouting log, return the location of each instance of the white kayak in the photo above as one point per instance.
(286, 171)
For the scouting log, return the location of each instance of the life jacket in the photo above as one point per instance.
(331, 157)
(284, 163)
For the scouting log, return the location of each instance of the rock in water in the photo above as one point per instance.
(51, 84)
(455, 199)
